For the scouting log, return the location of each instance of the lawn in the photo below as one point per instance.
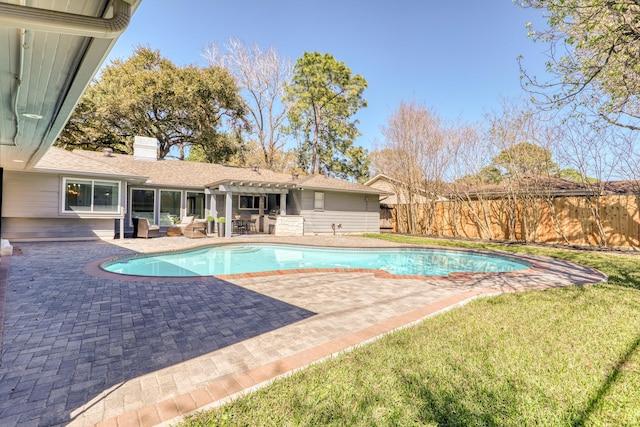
(565, 356)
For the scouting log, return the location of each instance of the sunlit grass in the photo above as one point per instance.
(556, 357)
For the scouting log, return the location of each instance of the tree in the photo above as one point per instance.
(571, 174)
(467, 204)
(221, 147)
(587, 149)
(323, 96)
(490, 175)
(523, 141)
(262, 76)
(525, 159)
(148, 95)
(594, 58)
(415, 156)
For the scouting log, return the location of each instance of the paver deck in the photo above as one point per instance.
(84, 347)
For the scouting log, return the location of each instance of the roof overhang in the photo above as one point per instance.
(52, 50)
(138, 179)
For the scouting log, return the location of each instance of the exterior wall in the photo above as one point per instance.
(31, 195)
(294, 203)
(31, 209)
(349, 212)
(16, 229)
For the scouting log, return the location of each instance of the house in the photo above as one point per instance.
(85, 194)
(50, 52)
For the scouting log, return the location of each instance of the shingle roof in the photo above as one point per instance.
(182, 173)
(323, 182)
(59, 160)
(546, 184)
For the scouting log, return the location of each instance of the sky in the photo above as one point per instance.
(456, 57)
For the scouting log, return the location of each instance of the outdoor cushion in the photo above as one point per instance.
(185, 221)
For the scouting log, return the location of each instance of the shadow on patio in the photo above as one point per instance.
(69, 336)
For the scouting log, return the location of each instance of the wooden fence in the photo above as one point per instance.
(571, 220)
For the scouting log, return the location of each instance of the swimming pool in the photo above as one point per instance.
(254, 258)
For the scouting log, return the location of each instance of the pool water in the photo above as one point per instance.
(244, 258)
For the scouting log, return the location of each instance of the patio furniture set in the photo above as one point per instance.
(188, 226)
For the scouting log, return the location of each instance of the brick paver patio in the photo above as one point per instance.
(84, 347)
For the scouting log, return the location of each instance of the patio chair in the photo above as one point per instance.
(195, 230)
(142, 228)
(186, 220)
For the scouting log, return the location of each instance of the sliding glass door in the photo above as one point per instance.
(170, 203)
(143, 202)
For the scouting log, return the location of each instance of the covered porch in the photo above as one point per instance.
(254, 206)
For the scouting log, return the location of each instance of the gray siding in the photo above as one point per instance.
(294, 202)
(31, 210)
(352, 211)
(56, 228)
(30, 195)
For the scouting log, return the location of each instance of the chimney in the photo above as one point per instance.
(145, 148)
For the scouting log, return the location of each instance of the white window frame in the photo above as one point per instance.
(91, 209)
(318, 202)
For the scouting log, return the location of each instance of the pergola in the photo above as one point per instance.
(229, 188)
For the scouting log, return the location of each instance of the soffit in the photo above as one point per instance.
(45, 73)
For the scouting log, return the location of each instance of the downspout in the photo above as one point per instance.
(32, 18)
(16, 113)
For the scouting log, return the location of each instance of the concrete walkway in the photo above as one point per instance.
(84, 347)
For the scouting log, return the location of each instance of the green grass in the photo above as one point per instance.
(567, 357)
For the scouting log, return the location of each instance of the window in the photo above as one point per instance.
(143, 202)
(318, 201)
(170, 203)
(195, 204)
(88, 195)
(106, 196)
(249, 202)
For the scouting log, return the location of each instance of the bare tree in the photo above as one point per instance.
(624, 147)
(261, 76)
(415, 156)
(587, 148)
(525, 160)
(472, 155)
(390, 161)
